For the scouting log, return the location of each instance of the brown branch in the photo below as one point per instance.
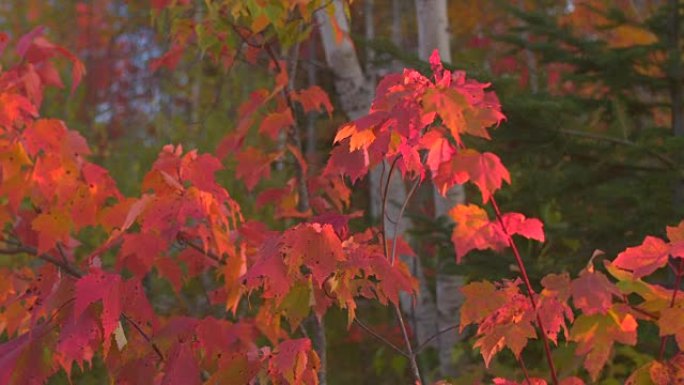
(432, 337)
(407, 341)
(401, 213)
(382, 339)
(184, 240)
(144, 335)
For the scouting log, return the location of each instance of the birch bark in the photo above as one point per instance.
(355, 93)
(433, 33)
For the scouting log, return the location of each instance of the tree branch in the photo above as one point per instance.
(379, 337)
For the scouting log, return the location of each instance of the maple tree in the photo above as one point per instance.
(65, 301)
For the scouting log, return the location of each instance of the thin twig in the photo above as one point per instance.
(407, 341)
(185, 241)
(432, 337)
(384, 207)
(144, 335)
(62, 253)
(401, 213)
(382, 339)
(678, 281)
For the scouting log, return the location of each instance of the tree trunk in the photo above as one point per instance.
(355, 94)
(433, 33)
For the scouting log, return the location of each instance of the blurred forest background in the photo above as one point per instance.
(593, 92)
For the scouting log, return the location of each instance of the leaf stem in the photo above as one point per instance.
(678, 281)
(530, 291)
(401, 213)
(384, 208)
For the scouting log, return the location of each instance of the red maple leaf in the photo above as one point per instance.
(644, 259)
(593, 293)
(97, 286)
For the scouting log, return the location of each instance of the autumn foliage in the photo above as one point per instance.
(69, 301)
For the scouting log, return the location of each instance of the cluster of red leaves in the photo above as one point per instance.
(80, 301)
(506, 318)
(402, 122)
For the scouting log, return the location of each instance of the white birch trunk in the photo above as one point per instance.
(355, 95)
(433, 33)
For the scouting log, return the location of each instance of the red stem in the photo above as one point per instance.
(530, 291)
(678, 282)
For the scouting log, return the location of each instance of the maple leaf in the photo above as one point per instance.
(52, 227)
(136, 305)
(297, 303)
(254, 165)
(671, 322)
(139, 251)
(199, 170)
(393, 278)
(505, 317)
(181, 367)
(99, 285)
(313, 98)
(275, 122)
(595, 335)
(439, 151)
(235, 368)
(269, 271)
(676, 236)
(552, 305)
(296, 362)
(316, 246)
(450, 105)
(474, 230)
(15, 107)
(481, 300)
(552, 313)
(593, 293)
(25, 41)
(652, 373)
(510, 326)
(46, 135)
(343, 161)
(483, 169)
(78, 342)
(22, 359)
(530, 228)
(644, 259)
